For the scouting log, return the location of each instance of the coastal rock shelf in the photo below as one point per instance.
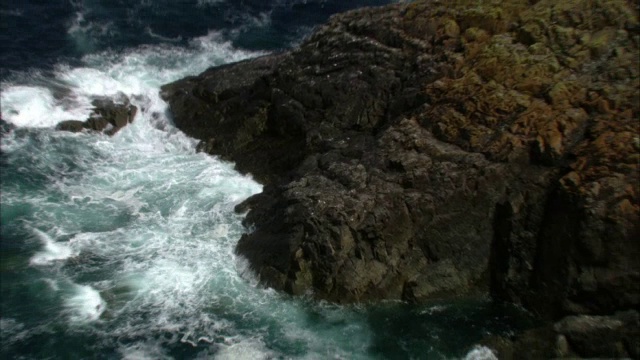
(436, 149)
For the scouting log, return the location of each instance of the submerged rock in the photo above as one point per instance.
(431, 149)
(109, 116)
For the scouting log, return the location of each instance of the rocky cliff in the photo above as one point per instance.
(433, 149)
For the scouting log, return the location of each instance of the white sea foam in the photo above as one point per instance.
(161, 267)
(245, 349)
(35, 106)
(92, 82)
(480, 353)
(137, 73)
(85, 304)
(176, 249)
(143, 351)
(52, 251)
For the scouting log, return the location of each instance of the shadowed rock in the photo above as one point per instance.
(108, 116)
(588, 336)
(71, 125)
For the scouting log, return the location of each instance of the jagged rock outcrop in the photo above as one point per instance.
(432, 149)
(108, 116)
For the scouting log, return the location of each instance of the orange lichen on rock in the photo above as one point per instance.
(557, 80)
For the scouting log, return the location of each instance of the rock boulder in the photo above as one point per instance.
(109, 116)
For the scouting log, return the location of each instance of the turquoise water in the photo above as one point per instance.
(123, 247)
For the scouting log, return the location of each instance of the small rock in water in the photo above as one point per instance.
(109, 116)
(71, 125)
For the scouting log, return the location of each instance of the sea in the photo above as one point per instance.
(122, 247)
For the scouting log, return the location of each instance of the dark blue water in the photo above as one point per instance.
(39, 33)
(123, 247)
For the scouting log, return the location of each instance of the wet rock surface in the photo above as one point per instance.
(427, 150)
(109, 116)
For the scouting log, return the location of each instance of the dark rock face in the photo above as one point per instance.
(425, 150)
(108, 116)
(576, 336)
(591, 336)
(71, 125)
